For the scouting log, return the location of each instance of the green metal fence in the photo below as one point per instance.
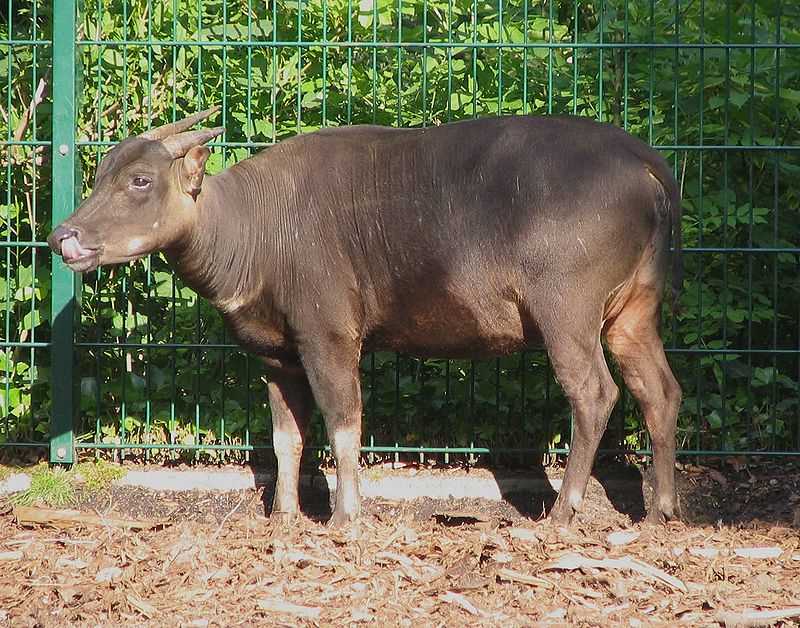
(131, 361)
(26, 350)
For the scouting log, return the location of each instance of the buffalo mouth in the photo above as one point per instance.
(77, 257)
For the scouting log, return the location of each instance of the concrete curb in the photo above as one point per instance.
(15, 483)
(400, 486)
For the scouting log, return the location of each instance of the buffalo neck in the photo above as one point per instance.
(233, 243)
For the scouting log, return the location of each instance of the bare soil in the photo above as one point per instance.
(215, 559)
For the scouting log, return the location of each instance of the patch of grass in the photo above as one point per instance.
(98, 475)
(5, 471)
(52, 487)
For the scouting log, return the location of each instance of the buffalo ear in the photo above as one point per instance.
(193, 169)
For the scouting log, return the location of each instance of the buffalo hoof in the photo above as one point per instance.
(655, 518)
(285, 519)
(562, 513)
(658, 517)
(341, 519)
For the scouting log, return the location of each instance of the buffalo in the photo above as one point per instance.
(470, 239)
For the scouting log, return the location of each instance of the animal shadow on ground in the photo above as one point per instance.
(623, 484)
(531, 497)
(530, 492)
(315, 495)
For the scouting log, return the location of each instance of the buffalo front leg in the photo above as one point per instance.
(291, 403)
(332, 370)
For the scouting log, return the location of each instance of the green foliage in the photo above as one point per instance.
(57, 486)
(50, 487)
(733, 305)
(98, 475)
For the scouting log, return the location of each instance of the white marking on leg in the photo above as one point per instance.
(575, 500)
(667, 506)
(286, 444)
(346, 448)
(347, 442)
(288, 448)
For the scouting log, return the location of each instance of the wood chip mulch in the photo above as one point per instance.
(448, 569)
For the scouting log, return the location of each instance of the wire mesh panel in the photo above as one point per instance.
(25, 55)
(714, 86)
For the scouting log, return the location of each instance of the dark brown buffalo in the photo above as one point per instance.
(470, 239)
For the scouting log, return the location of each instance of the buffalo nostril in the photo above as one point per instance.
(67, 232)
(58, 235)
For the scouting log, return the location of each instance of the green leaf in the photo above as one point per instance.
(31, 320)
(792, 95)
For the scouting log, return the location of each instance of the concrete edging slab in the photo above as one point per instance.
(15, 483)
(397, 487)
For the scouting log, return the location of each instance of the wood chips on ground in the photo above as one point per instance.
(482, 570)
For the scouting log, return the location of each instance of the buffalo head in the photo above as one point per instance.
(143, 197)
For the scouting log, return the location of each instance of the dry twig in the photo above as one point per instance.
(28, 515)
(753, 618)
(228, 516)
(626, 563)
(523, 578)
(275, 605)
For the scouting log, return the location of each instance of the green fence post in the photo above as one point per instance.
(62, 442)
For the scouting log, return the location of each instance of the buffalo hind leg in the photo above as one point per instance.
(582, 372)
(636, 345)
(332, 369)
(291, 404)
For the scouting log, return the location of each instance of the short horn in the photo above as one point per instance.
(163, 132)
(178, 145)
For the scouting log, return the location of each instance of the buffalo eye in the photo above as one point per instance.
(141, 183)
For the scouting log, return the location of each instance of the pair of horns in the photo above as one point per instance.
(176, 137)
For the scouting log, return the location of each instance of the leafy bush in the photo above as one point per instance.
(734, 305)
